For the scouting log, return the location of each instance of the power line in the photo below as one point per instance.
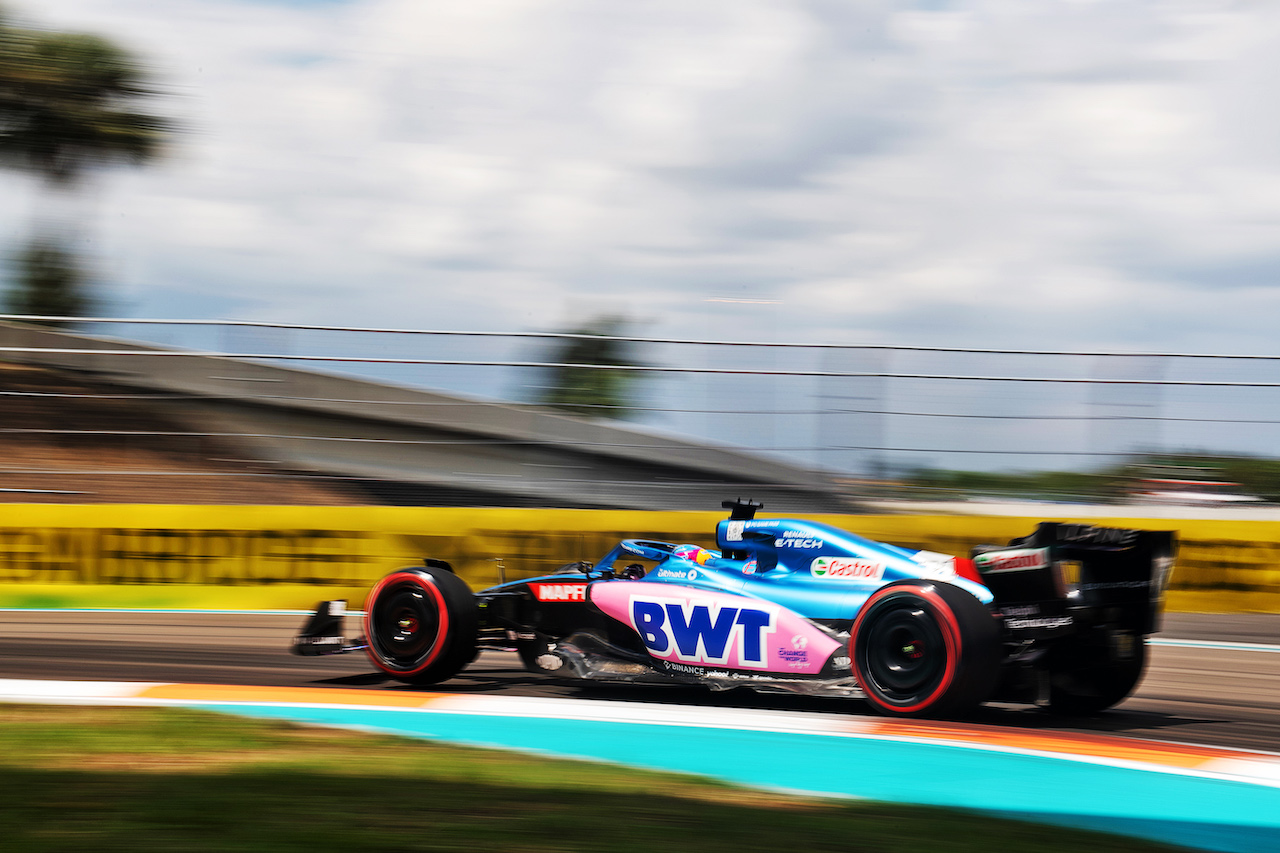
(646, 368)
(803, 345)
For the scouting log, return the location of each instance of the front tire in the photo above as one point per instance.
(421, 625)
(925, 649)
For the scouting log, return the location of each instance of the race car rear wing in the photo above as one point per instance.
(323, 632)
(1118, 574)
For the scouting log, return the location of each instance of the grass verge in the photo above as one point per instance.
(105, 779)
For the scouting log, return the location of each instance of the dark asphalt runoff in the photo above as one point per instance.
(1219, 696)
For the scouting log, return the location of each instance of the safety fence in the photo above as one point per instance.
(866, 410)
(248, 557)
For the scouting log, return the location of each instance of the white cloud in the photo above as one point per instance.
(870, 169)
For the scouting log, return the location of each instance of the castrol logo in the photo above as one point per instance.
(844, 568)
(1012, 561)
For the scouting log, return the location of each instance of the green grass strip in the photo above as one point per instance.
(105, 779)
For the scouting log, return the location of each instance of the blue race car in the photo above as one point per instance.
(1059, 618)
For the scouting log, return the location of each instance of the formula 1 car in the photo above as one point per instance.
(1058, 618)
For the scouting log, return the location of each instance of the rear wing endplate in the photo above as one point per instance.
(1084, 566)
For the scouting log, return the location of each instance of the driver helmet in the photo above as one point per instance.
(693, 554)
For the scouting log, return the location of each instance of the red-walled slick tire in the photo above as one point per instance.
(925, 649)
(421, 624)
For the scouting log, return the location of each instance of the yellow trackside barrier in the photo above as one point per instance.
(230, 557)
(246, 557)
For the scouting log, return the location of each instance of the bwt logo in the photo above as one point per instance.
(703, 633)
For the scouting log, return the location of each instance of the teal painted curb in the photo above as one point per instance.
(1173, 807)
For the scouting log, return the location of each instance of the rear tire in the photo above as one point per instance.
(421, 625)
(1089, 679)
(925, 649)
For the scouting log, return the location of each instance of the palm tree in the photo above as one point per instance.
(50, 283)
(593, 390)
(67, 106)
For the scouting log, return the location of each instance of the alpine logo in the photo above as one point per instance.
(703, 633)
(1088, 535)
(559, 591)
(843, 568)
(1012, 561)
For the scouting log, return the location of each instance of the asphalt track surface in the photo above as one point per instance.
(1218, 696)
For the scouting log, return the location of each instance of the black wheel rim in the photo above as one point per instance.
(405, 625)
(904, 655)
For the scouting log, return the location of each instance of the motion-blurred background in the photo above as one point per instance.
(882, 251)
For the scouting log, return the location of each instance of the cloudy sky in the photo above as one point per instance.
(975, 173)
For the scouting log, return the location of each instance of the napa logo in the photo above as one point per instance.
(703, 632)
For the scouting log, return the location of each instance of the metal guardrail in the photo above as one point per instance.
(849, 410)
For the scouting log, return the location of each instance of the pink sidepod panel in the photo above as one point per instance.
(716, 629)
